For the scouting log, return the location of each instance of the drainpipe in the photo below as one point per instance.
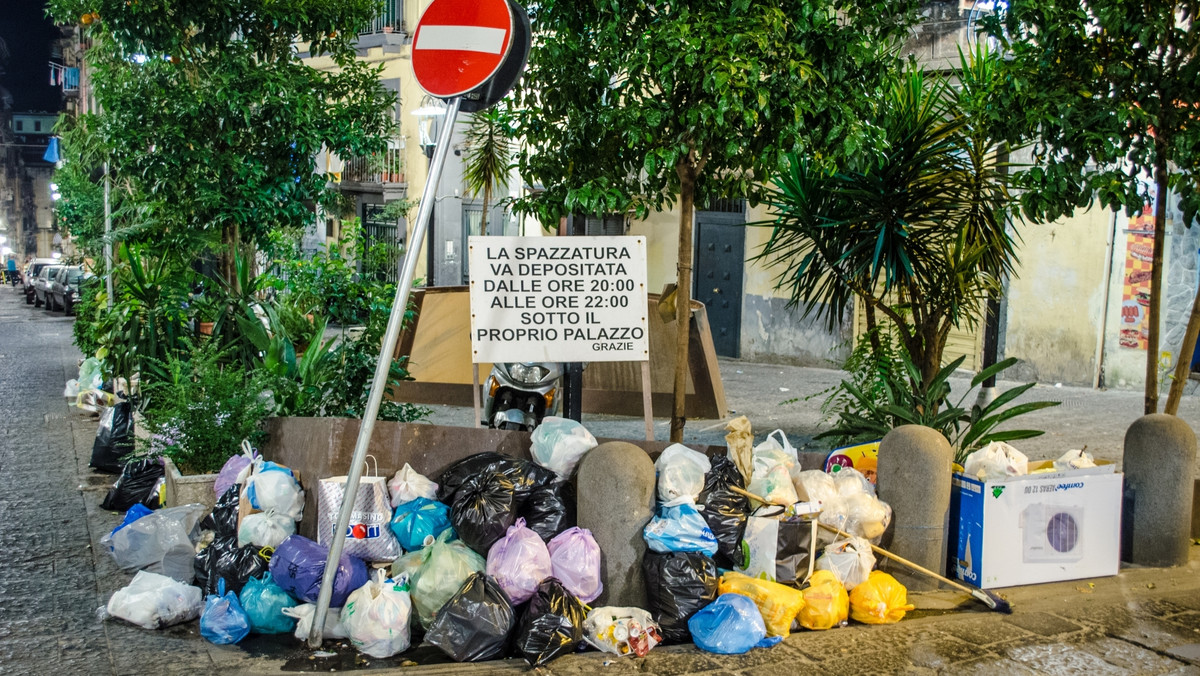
(1098, 376)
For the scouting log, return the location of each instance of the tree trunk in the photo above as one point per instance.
(1183, 363)
(1160, 237)
(487, 199)
(687, 171)
(872, 333)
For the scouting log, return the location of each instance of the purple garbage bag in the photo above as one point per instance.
(229, 472)
(575, 561)
(519, 561)
(299, 563)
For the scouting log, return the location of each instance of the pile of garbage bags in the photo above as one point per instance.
(485, 560)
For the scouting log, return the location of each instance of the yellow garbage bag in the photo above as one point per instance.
(879, 600)
(825, 602)
(779, 604)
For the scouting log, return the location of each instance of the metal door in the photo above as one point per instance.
(720, 259)
(385, 243)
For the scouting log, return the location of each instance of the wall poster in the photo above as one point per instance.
(1135, 296)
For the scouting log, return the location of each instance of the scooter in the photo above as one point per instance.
(521, 394)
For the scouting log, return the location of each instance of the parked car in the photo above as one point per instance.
(41, 285)
(64, 288)
(32, 269)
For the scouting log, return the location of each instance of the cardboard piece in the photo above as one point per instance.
(1038, 527)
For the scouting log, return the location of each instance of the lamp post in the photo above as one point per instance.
(429, 117)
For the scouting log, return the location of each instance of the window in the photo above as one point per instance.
(37, 125)
(592, 225)
(20, 125)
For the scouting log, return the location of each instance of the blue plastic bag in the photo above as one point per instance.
(731, 625)
(299, 563)
(678, 527)
(418, 519)
(264, 601)
(223, 621)
(135, 512)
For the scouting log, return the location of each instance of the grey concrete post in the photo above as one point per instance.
(1160, 452)
(615, 498)
(914, 478)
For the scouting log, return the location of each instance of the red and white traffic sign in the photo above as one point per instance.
(460, 44)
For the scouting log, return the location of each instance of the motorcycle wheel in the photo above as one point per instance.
(516, 427)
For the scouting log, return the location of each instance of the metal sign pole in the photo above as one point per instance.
(379, 384)
(108, 249)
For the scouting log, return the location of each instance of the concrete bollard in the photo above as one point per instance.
(615, 501)
(914, 478)
(1160, 453)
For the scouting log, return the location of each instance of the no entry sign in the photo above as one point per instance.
(459, 44)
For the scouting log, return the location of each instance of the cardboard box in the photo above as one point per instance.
(1062, 525)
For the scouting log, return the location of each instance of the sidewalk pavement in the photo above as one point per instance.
(57, 574)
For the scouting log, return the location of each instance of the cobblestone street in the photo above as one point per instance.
(1143, 621)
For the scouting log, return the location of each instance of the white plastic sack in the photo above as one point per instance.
(304, 615)
(276, 490)
(408, 485)
(777, 444)
(559, 444)
(850, 481)
(996, 461)
(265, 529)
(71, 391)
(680, 472)
(160, 542)
(813, 485)
(376, 617)
(627, 632)
(774, 484)
(154, 601)
(859, 514)
(1074, 459)
(850, 561)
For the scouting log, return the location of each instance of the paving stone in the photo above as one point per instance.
(1062, 660)
(1043, 624)
(985, 631)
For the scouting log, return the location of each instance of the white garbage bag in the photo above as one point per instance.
(265, 529)
(996, 461)
(559, 444)
(813, 485)
(155, 601)
(160, 542)
(850, 561)
(376, 617)
(850, 481)
(304, 615)
(1074, 459)
(680, 472)
(273, 487)
(409, 484)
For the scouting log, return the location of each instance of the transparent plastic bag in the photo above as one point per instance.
(154, 601)
(850, 561)
(779, 604)
(1074, 459)
(996, 461)
(265, 529)
(160, 542)
(826, 604)
(680, 472)
(813, 485)
(376, 617)
(777, 446)
(558, 444)
(91, 374)
(575, 561)
(223, 621)
(265, 603)
(274, 487)
(408, 485)
(519, 561)
(774, 484)
(859, 514)
(678, 527)
(850, 481)
(879, 600)
(731, 625)
(303, 614)
(435, 574)
(628, 632)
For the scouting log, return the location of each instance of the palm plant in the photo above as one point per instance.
(915, 230)
(489, 156)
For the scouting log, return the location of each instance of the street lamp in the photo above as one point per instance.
(429, 115)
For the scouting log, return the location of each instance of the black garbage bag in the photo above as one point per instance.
(114, 438)
(721, 476)
(223, 520)
(224, 559)
(725, 511)
(134, 485)
(677, 585)
(525, 475)
(484, 507)
(549, 510)
(551, 624)
(475, 623)
(154, 499)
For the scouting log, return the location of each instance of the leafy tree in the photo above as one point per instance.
(914, 229)
(1112, 87)
(210, 119)
(489, 156)
(632, 107)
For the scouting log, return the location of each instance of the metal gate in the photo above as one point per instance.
(384, 241)
(720, 261)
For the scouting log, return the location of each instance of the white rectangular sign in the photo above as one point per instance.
(558, 299)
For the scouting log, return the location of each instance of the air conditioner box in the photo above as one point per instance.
(1040, 527)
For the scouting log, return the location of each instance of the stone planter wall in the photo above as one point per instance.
(186, 489)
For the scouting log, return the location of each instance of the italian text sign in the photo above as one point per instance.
(558, 299)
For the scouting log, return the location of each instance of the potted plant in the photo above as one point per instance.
(198, 416)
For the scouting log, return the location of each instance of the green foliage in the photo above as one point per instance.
(898, 395)
(203, 408)
(91, 301)
(618, 95)
(489, 159)
(915, 229)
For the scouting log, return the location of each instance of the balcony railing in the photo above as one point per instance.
(384, 167)
(389, 20)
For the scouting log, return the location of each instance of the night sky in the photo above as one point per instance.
(28, 33)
